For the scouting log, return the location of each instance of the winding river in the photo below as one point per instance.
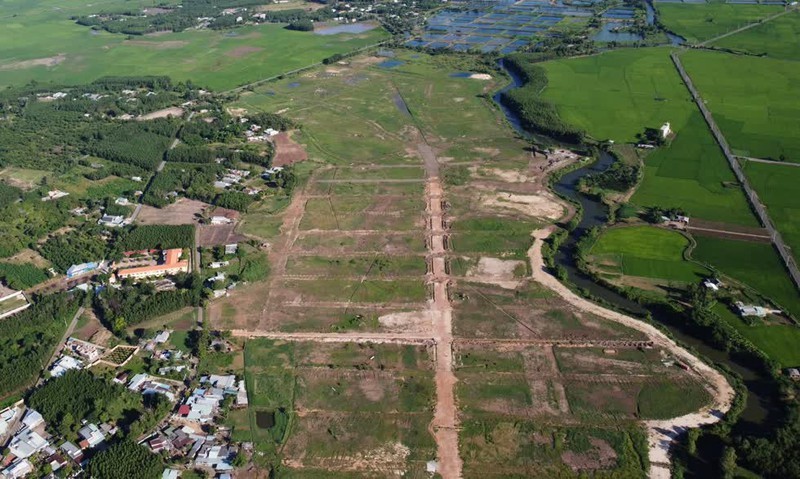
(762, 400)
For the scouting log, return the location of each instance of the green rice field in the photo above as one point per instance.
(755, 115)
(648, 252)
(777, 188)
(775, 39)
(755, 264)
(628, 90)
(39, 42)
(702, 21)
(693, 174)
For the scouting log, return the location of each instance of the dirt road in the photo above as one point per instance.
(660, 433)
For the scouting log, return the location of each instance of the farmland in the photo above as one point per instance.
(754, 115)
(775, 185)
(778, 341)
(702, 21)
(763, 270)
(773, 39)
(646, 252)
(637, 88)
(43, 44)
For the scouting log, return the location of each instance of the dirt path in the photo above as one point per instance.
(445, 420)
(660, 433)
(354, 337)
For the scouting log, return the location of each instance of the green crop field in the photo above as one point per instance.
(693, 174)
(39, 42)
(778, 341)
(648, 252)
(775, 39)
(702, 21)
(628, 90)
(755, 264)
(777, 188)
(755, 115)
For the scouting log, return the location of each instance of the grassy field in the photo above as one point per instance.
(698, 22)
(775, 39)
(39, 42)
(356, 400)
(754, 115)
(762, 269)
(693, 174)
(648, 252)
(778, 341)
(776, 186)
(628, 90)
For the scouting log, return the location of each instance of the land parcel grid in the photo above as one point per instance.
(775, 39)
(332, 408)
(748, 97)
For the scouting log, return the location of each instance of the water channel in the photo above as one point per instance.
(762, 400)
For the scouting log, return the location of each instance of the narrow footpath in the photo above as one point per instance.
(660, 433)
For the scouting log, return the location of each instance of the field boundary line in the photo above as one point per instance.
(751, 194)
(747, 27)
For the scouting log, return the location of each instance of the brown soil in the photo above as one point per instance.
(213, 235)
(164, 113)
(287, 152)
(601, 456)
(38, 62)
(182, 212)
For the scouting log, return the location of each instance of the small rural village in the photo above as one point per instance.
(421, 239)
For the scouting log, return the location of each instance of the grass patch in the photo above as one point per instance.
(776, 186)
(668, 400)
(698, 22)
(378, 266)
(778, 341)
(775, 39)
(502, 237)
(368, 291)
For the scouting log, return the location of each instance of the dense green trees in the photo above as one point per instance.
(74, 247)
(126, 460)
(21, 276)
(79, 394)
(156, 237)
(28, 338)
(304, 25)
(235, 200)
(618, 177)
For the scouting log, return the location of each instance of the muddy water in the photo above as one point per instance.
(762, 401)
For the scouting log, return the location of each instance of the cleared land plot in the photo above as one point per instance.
(366, 173)
(775, 39)
(332, 242)
(502, 237)
(183, 212)
(778, 341)
(776, 186)
(363, 213)
(40, 43)
(637, 88)
(354, 188)
(702, 21)
(692, 174)
(344, 290)
(371, 267)
(645, 251)
(315, 406)
(483, 311)
(611, 361)
(512, 447)
(749, 98)
(755, 264)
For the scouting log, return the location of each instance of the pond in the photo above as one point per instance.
(265, 419)
(390, 63)
(348, 28)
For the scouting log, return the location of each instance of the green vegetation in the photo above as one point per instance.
(778, 341)
(754, 115)
(126, 460)
(213, 58)
(755, 264)
(535, 113)
(666, 400)
(28, 338)
(21, 276)
(702, 21)
(648, 252)
(145, 237)
(776, 186)
(78, 395)
(504, 237)
(774, 39)
(692, 174)
(75, 247)
(628, 90)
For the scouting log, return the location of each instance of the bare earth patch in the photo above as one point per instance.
(182, 212)
(509, 176)
(37, 62)
(410, 321)
(164, 113)
(601, 456)
(537, 206)
(287, 152)
(495, 271)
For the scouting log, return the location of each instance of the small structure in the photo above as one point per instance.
(83, 268)
(26, 443)
(231, 248)
(170, 474)
(54, 195)
(64, 364)
(17, 469)
(746, 310)
(111, 221)
(122, 201)
(665, 130)
(712, 283)
(32, 419)
(219, 264)
(221, 220)
(162, 337)
(92, 435)
(793, 373)
(11, 301)
(73, 451)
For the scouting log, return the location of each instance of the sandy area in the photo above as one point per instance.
(481, 76)
(660, 433)
(408, 321)
(537, 206)
(164, 113)
(509, 176)
(37, 62)
(495, 271)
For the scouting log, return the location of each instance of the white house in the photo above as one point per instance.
(666, 130)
